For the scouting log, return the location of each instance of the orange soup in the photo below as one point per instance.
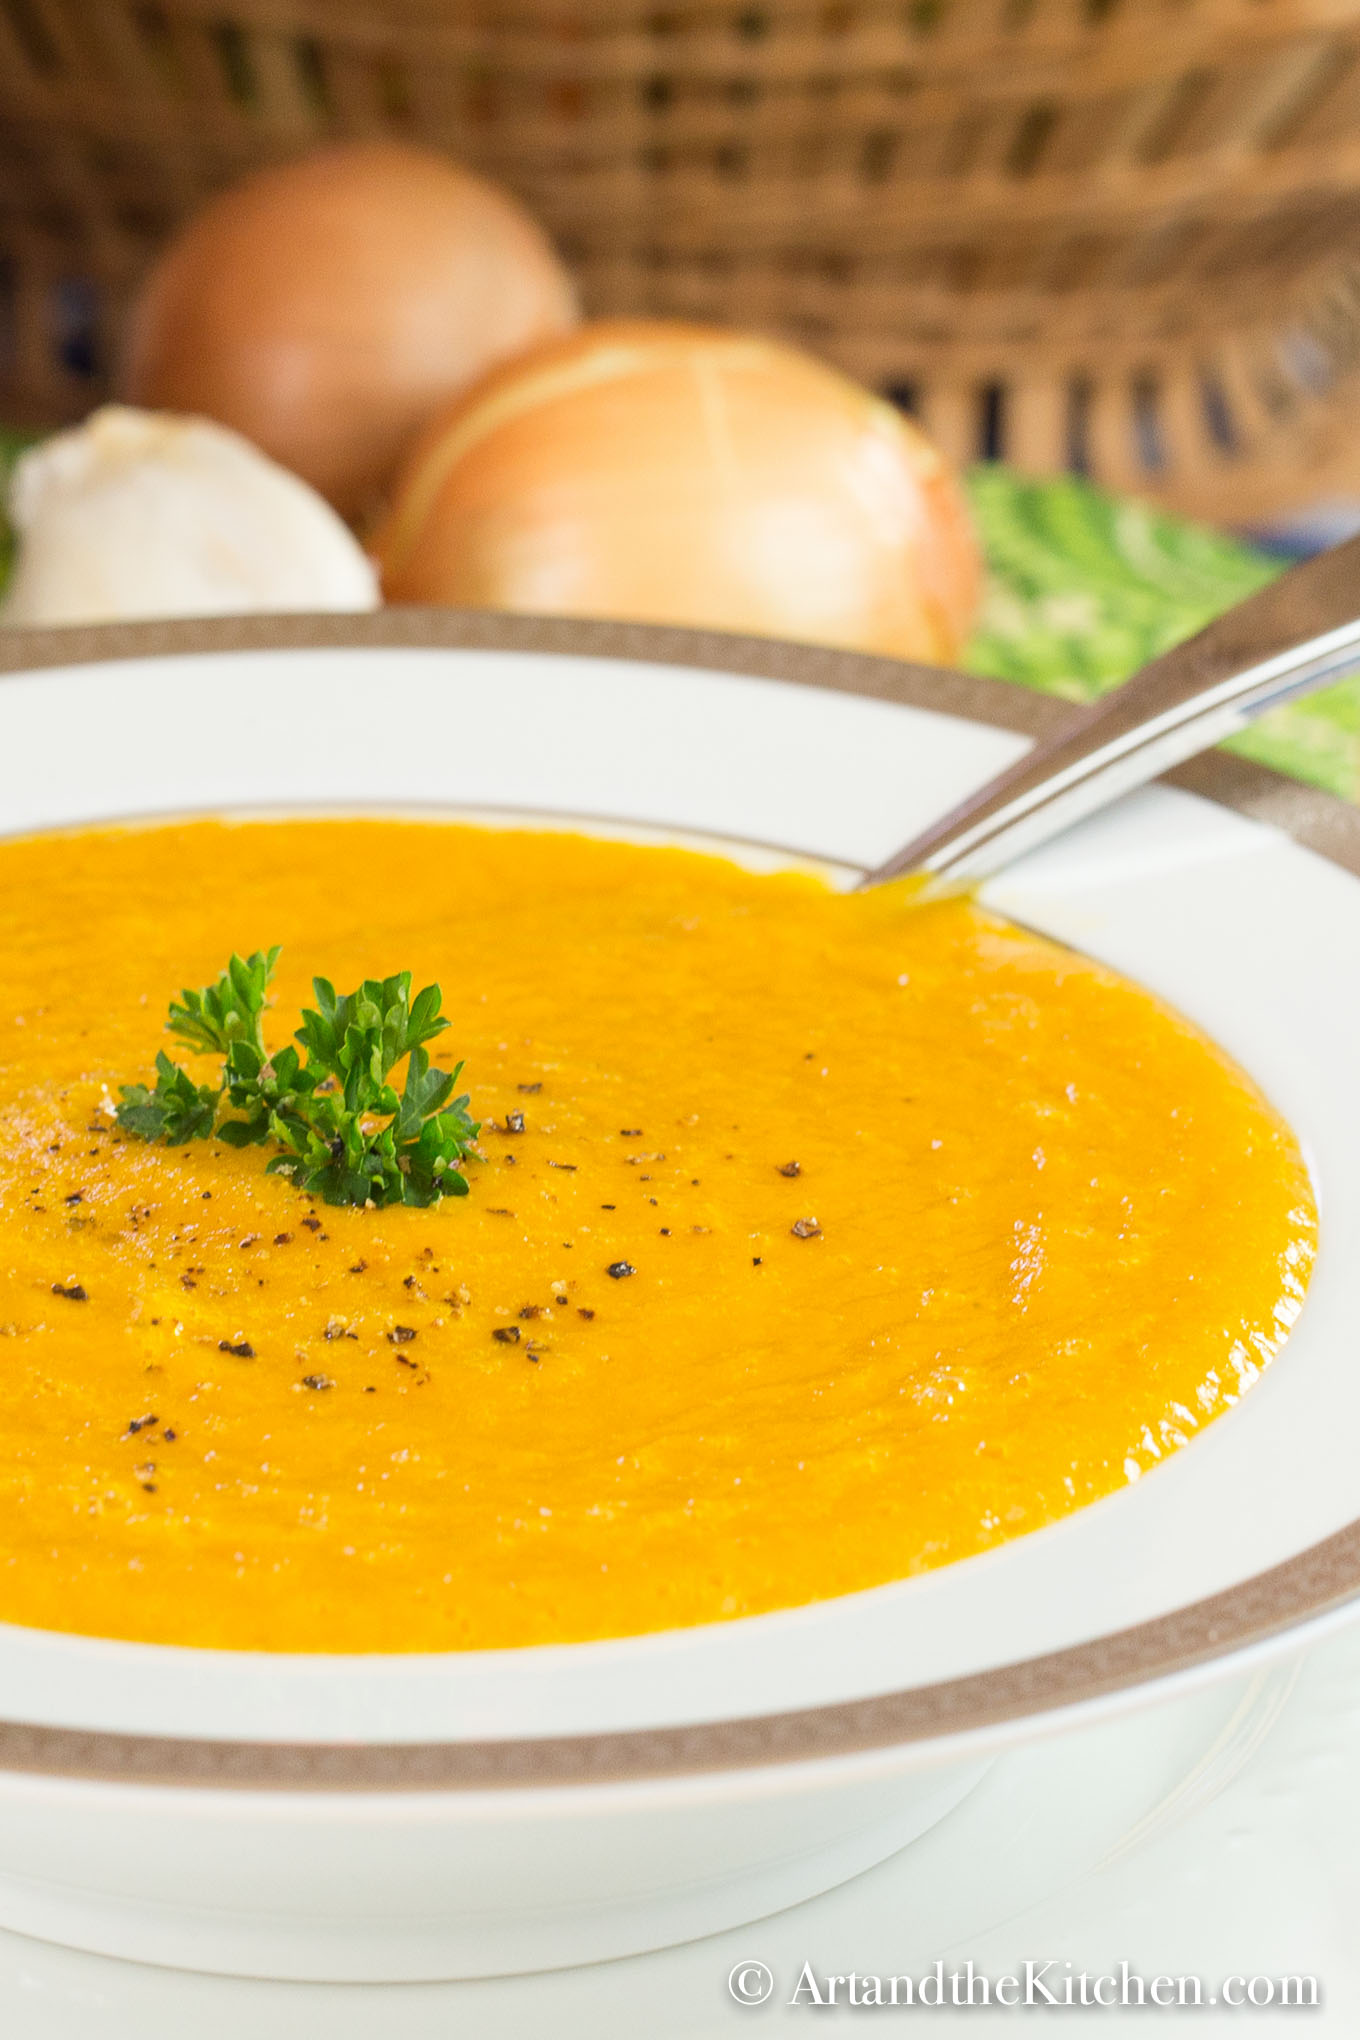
(813, 1240)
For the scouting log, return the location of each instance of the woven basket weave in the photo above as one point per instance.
(1121, 236)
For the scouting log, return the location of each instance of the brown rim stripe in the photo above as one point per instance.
(1310, 1585)
(1318, 1580)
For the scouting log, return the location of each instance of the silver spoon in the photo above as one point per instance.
(1297, 634)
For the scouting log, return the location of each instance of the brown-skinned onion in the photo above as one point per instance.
(327, 307)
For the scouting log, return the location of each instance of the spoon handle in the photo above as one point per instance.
(1296, 634)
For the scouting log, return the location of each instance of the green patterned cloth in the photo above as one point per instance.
(12, 445)
(1082, 588)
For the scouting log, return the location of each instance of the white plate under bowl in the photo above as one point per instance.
(461, 1813)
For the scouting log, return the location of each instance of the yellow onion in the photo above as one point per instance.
(327, 307)
(680, 474)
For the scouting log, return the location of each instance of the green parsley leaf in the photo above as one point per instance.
(324, 1113)
(177, 1110)
(230, 1010)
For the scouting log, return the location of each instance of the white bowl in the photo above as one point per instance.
(439, 1816)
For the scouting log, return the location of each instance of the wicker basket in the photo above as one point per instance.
(1121, 236)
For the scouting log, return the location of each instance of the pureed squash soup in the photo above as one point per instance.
(814, 1240)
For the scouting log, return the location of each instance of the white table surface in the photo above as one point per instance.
(1264, 1880)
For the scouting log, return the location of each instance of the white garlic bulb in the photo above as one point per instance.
(138, 514)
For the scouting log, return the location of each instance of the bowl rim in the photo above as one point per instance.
(1313, 1584)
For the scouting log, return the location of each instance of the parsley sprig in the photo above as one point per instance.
(322, 1109)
